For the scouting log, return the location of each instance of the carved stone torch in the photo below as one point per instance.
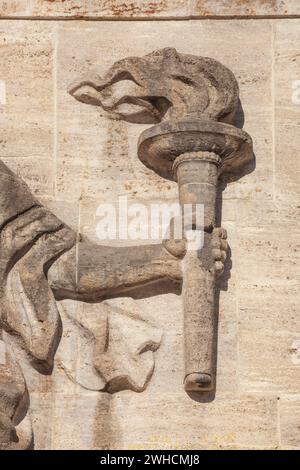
(194, 100)
(194, 153)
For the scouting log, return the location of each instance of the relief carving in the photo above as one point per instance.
(192, 102)
(15, 425)
(114, 347)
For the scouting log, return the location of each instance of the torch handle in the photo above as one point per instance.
(199, 324)
(197, 177)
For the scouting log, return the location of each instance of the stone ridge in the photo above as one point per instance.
(147, 9)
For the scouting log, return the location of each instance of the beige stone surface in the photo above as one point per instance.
(123, 9)
(254, 423)
(250, 8)
(287, 106)
(42, 407)
(26, 110)
(114, 9)
(15, 7)
(268, 321)
(74, 158)
(214, 39)
(95, 432)
(289, 422)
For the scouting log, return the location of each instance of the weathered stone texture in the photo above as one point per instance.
(114, 9)
(115, 139)
(250, 8)
(75, 158)
(124, 9)
(256, 418)
(15, 7)
(26, 109)
(287, 117)
(289, 422)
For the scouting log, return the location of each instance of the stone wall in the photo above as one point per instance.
(156, 9)
(73, 158)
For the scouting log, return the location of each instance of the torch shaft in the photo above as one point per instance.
(197, 183)
(199, 320)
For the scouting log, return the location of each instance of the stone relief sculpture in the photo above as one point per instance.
(15, 425)
(125, 361)
(193, 102)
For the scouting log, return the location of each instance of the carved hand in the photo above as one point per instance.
(218, 241)
(219, 250)
(193, 101)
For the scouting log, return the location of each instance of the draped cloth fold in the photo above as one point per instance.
(15, 425)
(31, 239)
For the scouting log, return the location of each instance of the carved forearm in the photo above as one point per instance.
(94, 272)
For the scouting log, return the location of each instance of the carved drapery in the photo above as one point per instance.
(192, 102)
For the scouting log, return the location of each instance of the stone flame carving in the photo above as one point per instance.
(193, 101)
(162, 86)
